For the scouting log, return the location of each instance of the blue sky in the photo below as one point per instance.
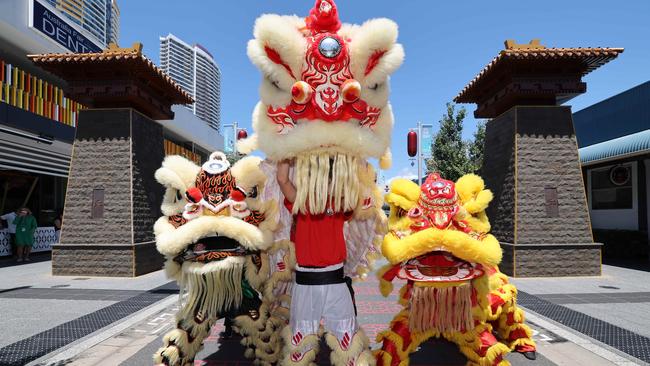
(446, 42)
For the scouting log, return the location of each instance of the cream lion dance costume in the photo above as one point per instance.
(324, 105)
(215, 226)
(439, 242)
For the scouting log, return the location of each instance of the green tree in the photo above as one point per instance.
(449, 152)
(233, 158)
(476, 147)
(451, 156)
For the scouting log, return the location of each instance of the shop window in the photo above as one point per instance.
(611, 188)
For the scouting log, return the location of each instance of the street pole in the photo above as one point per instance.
(234, 139)
(419, 153)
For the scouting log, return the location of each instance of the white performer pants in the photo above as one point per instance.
(331, 303)
(320, 298)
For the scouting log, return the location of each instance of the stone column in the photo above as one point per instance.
(540, 212)
(112, 200)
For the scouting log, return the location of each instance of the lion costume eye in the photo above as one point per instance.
(376, 86)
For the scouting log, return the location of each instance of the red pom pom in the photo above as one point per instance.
(194, 195)
(237, 195)
(323, 17)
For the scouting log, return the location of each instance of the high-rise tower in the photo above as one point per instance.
(194, 69)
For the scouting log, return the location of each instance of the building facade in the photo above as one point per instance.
(38, 120)
(614, 140)
(190, 136)
(195, 70)
(101, 18)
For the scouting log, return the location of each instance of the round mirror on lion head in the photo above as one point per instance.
(329, 47)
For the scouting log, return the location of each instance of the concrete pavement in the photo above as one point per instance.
(43, 313)
(118, 321)
(620, 296)
(613, 309)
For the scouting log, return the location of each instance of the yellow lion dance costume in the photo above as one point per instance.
(438, 242)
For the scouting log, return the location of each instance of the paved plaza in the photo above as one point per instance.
(116, 321)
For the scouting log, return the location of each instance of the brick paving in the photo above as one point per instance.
(374, 313)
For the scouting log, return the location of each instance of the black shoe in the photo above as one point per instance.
(532, 355)
(227, 333)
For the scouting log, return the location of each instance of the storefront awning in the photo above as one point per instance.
(622, 147)
(19, 151)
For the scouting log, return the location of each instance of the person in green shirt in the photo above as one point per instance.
(25, 227)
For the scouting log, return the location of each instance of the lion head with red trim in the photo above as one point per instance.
(324, 101)
(325, 85)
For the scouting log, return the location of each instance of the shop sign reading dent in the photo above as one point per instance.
(46, 22)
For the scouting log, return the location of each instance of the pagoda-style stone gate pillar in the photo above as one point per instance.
(112, 199)
(531, 164)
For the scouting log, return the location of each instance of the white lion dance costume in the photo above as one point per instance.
(438, 242)
(324, 105)
(213, 229)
